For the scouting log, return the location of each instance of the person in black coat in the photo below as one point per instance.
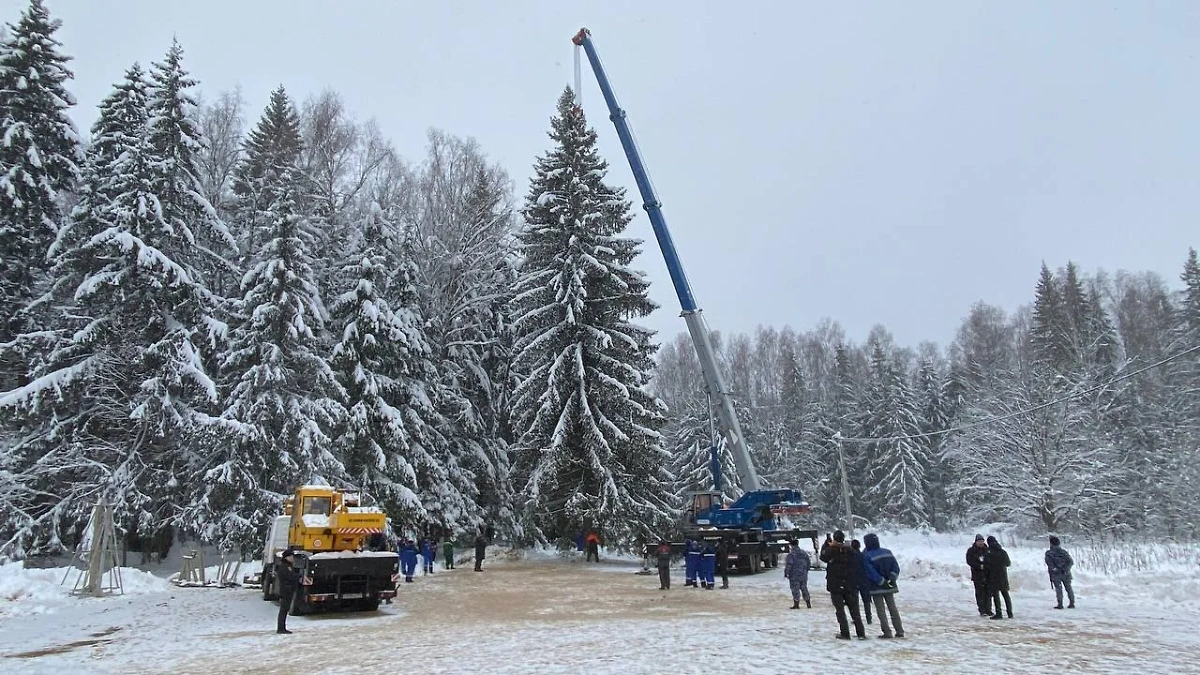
(289, 582)
(481, 543)
(724, 547)
(975, 556)
(996, 563)
(841, 580)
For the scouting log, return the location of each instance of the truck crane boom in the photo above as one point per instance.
(692, 315)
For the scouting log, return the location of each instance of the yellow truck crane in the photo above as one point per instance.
(329, 532)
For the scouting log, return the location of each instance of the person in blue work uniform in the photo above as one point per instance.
(691, 562)
(427, 555)
(708, 565)
(408, 559)
(883, 570)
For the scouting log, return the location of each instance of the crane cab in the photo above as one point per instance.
(701, 507)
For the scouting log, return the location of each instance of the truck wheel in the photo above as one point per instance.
(755, 564)
(268, 583)
(369, 605)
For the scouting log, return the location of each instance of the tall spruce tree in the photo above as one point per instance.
(283, 399)
(39, 163)
(590, 453)
(384, 362)
(127, 398)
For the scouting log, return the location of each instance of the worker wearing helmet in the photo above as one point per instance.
(691, 562)
(708, 565)
(408, 559)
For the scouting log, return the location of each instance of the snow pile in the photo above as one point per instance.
(41, 591)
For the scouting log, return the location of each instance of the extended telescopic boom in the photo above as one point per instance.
(691, 313)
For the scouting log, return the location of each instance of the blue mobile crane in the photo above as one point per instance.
(750, 522)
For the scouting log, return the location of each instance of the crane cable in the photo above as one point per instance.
(1026, 411)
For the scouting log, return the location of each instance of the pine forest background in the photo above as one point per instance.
(201, 307)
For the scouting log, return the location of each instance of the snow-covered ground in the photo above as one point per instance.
(543, 613)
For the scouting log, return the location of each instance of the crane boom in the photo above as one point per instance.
(692, 316)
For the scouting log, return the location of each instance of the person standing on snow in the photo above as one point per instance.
(723, 561)
(448, 554)
(795, 570)
(289, 583)
(691, 562)
(427, 555)
(839, 562)
(862, 580)
(883, 570)
(580, 541)
(975, 561)
(481, 543)
(996, 562)
(708, 565)
(663, 559)
(593, 547)
(408, 559)
(1059, 564)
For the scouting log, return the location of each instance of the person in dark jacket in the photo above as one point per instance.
(723, 548)
(862, 581)
(408, 559)
(289, 583)
(481, 543)
(448, 554)
(663, 559)
(1059, 564)
(975, 555)
(840, 582)
(883, 570)
(996, 563)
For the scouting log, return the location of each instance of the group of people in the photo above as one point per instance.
(703, 562)
(852, 571)
(989, 564)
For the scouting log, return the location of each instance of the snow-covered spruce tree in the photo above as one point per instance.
(270, 150)
(178, 144)
(125, 400)
(39, 159)
(283, 398)
(383, 362)
(933, 408)
(895, 489)
(590, 453)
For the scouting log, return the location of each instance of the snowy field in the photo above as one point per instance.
(543, 613)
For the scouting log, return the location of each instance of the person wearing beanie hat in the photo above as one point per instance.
(1059, 564)
(996, 562)
(975, 561)
(841, 580)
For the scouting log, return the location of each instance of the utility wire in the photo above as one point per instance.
(1026, 411)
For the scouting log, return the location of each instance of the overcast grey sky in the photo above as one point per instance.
(872, 162)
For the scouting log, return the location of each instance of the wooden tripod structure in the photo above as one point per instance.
(96, 556)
